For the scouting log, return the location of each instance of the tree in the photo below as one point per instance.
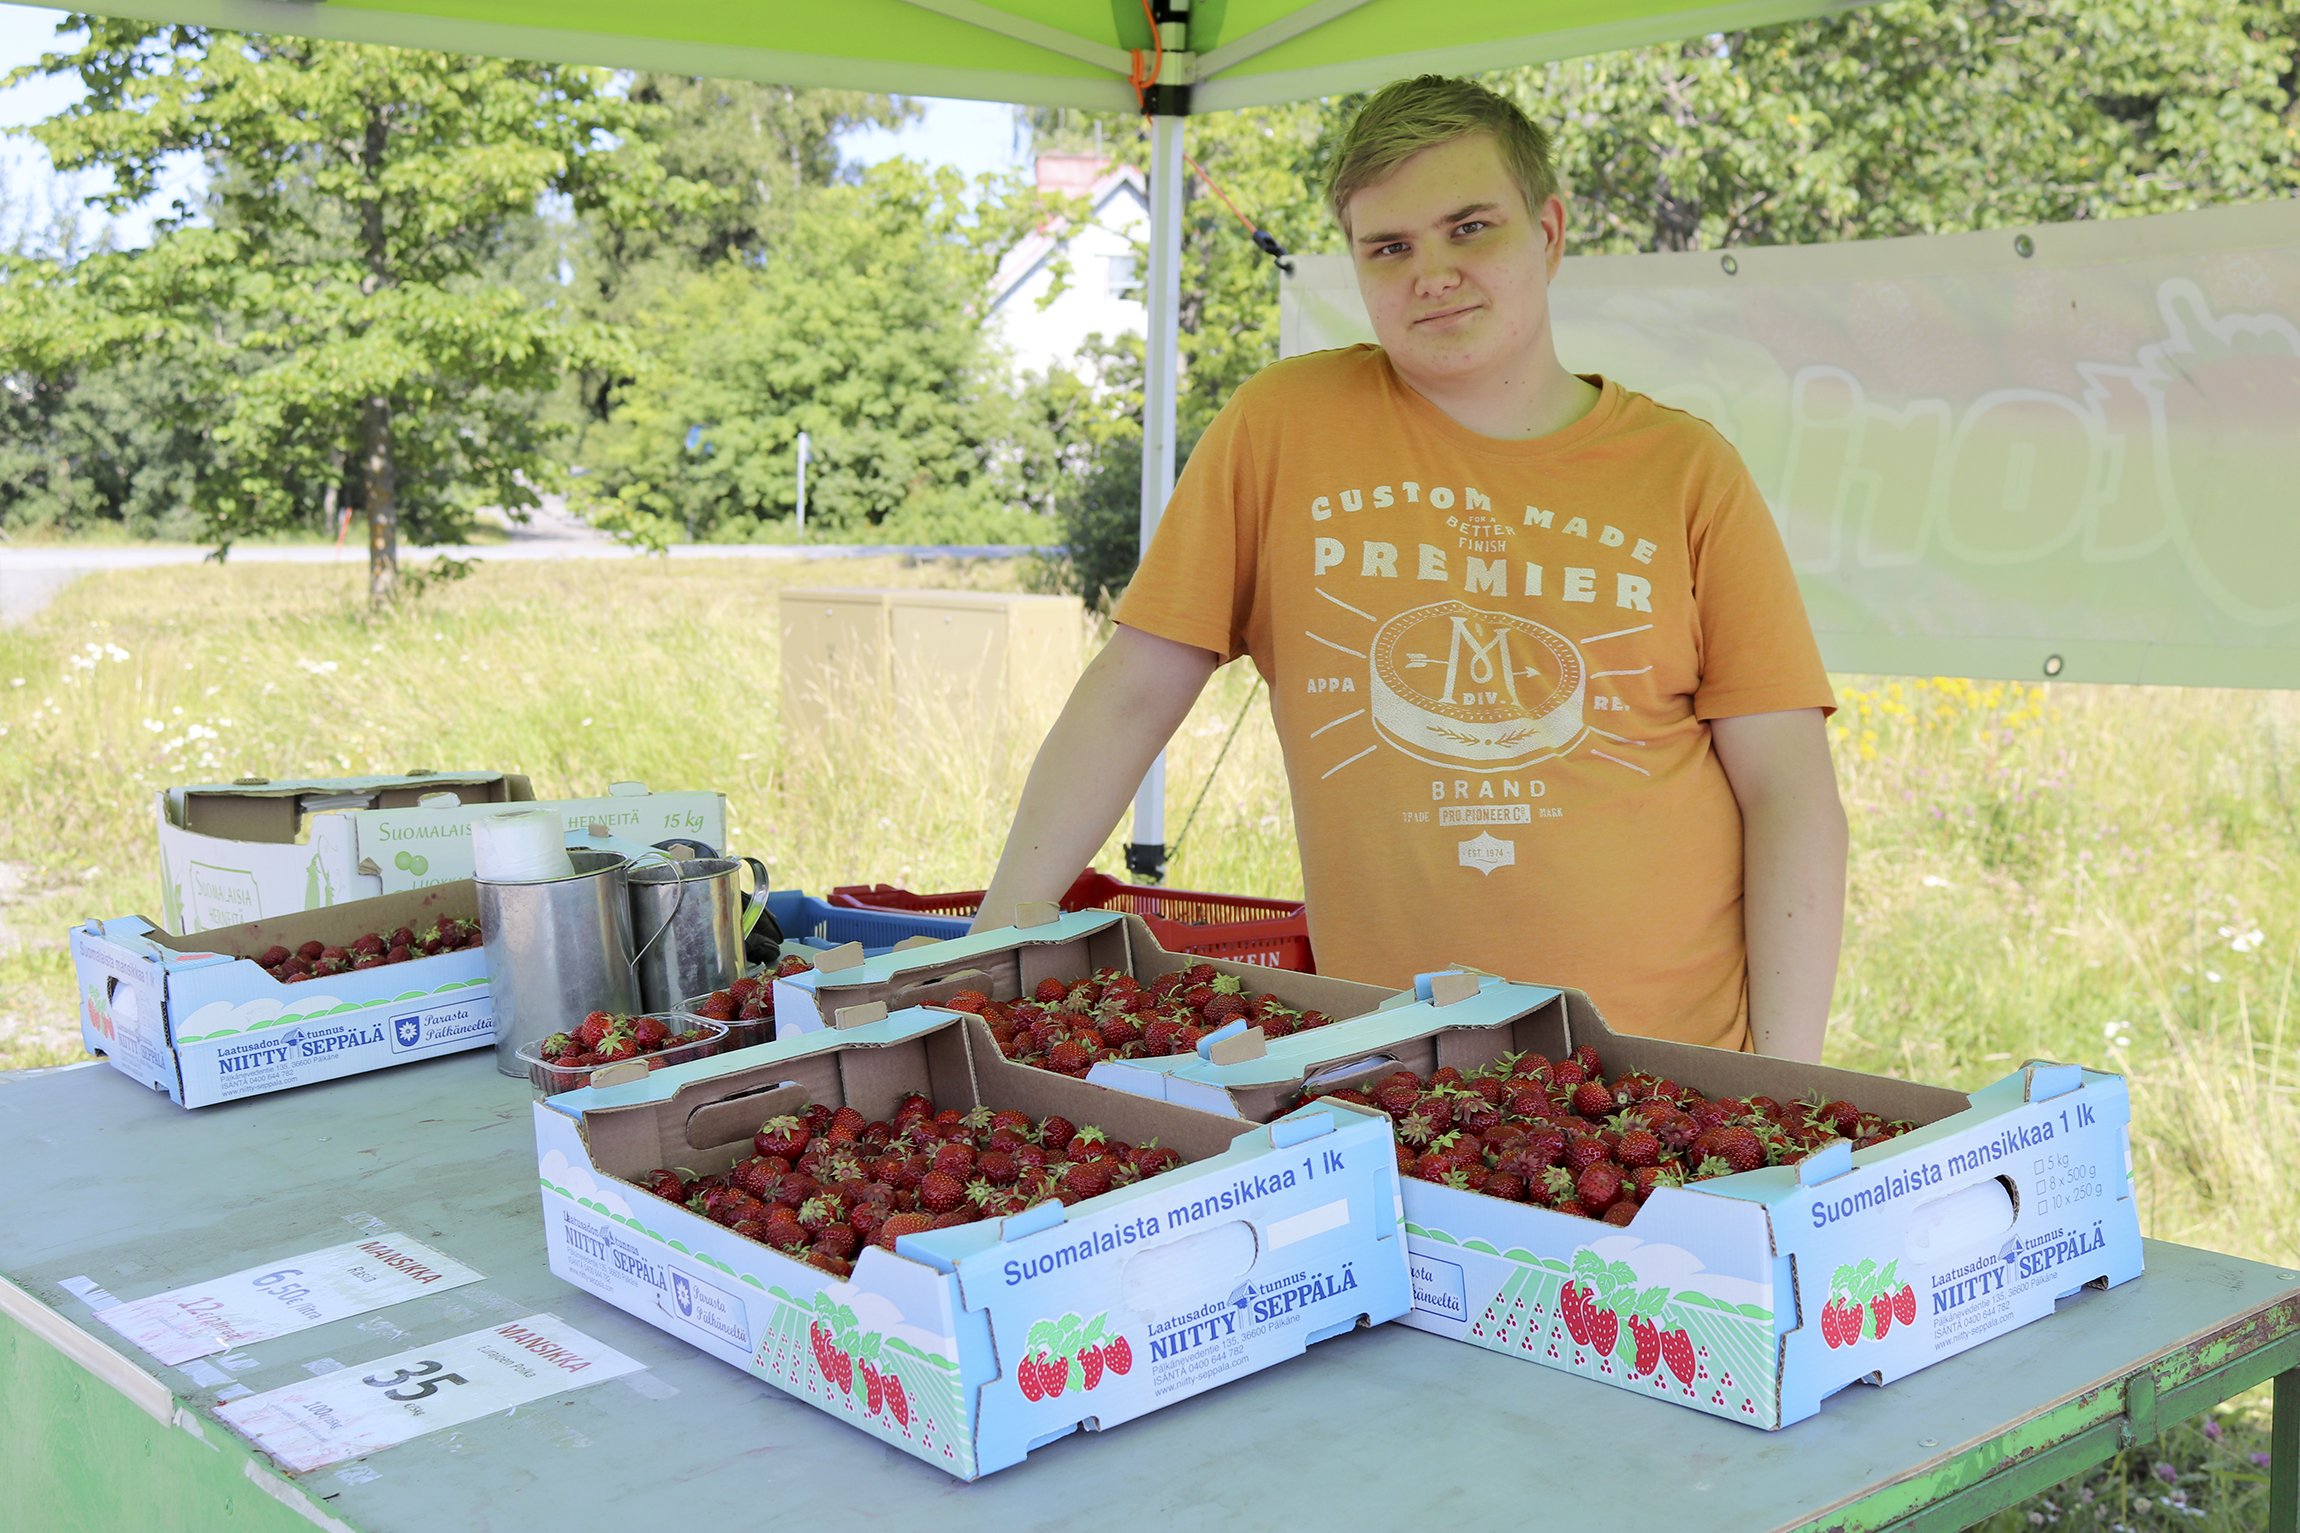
(1924, 117)
(335, 321)
(862, 326)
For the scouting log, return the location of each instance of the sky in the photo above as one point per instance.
(974, 136)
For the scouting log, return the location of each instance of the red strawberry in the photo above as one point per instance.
(1118, 1355)
(1829, 1328)
(1056, 1133)
(899, 1225)
(1905, 1305)
(1069, 1057)
(939, 1192)
(310, 951)
(649, 1032)
(1054, 1376)
(1051, 991)
(1593, 1100)
(1638, 1147)
(593, 1027)
(1026, 1378)
(1089, 1178)
(873, 1395)
(1677, 1352)
(1604, 1330)
(786, 1136)
(1090, 1367)
(1882, 1307)
(1599, 1187)
(1740, 1148)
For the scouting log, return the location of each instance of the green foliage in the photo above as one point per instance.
(335, 323)
(863, 328)
(1924, 117)
(110, 448)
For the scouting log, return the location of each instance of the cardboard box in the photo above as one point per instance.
(1273, 1238)
(196, 1017)
(1008, 963)
(1743, 1267)
(230, 852)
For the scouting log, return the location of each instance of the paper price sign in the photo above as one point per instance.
(367, 1407)
(282, 1297)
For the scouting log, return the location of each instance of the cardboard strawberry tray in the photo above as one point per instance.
(969, 1346)
(1752, 1295)
(1009, 963)
(200, 1018)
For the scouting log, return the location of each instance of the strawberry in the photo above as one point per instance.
(400, 954)
(1830, 1331)
(1118, 1355)
(1056, 1133)
(940, 1192)
(875, 1393)
(1090, 1367)
(310, 951)
(1586, 1057)
(649, 1032)
(1583, 1151)
(666, 1185)
(1604, 1330)
(1677, 1352)
(1905, 1305)
(1882, 1307)
(1089, 1178)
(786, 1136)
(1152, 1160)
(593, 1028)
(1027, 1380)
(1593, 1100)
(1069, 1057)
(272, 957)
(1054, 1376)
(1639, 1148)
(969, 1000)
(1740, 1148)
(899, 1225)
(1622, 1213)
(1051, 991)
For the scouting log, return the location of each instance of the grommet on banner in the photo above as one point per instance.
(2052, 665)
(1729, 265)
(2023, 246)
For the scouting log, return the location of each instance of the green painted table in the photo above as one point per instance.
(1384, 1428)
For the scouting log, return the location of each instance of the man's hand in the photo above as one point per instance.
(1123, 711)
(1793, 843)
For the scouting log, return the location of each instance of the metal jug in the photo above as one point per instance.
(689, 920)
(557, 949)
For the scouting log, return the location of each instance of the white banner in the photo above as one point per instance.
(2070, 450)
(282, 1297)
(375, 1405)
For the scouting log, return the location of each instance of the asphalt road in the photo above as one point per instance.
(31, 577)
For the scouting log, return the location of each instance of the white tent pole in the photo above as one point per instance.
(1160, 385)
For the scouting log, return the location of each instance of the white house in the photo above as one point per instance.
(1104, 291)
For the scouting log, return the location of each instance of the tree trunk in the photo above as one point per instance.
(375, 424)
(382, 513)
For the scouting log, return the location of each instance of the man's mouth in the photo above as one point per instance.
(1441, 316)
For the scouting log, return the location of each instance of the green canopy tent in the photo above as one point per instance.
(1165, 58)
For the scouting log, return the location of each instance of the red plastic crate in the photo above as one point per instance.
(1233, 926)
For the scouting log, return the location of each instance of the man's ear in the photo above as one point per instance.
(1553, 232)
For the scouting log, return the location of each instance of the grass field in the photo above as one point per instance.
(2100, 874)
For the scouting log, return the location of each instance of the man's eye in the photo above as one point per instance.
(1471, 227)
(1390, 249)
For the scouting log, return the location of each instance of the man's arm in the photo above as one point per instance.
(1793, 843)
(1123, 711)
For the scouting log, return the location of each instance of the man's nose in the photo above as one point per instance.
(1436, 273)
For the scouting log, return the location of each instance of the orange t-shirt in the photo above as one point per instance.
(1491, 664)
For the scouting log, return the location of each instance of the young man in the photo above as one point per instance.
(1548, 697)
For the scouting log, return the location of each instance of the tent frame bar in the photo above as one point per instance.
(1023, 30)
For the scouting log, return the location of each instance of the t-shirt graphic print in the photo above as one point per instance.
(1491, 665)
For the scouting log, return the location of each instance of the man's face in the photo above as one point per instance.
(1454, 268)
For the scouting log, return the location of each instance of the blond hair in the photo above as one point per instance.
(1408, 116)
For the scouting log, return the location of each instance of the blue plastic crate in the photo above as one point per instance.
(804, 918)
